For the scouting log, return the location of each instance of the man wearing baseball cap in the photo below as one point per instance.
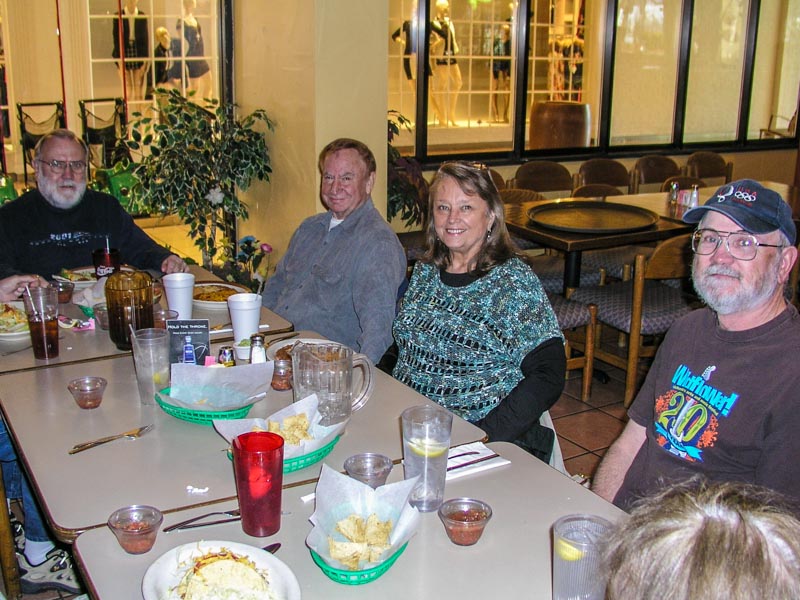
(722, 398)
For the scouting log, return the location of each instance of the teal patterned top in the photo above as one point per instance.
(462, 347)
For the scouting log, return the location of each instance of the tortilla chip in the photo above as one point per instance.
(353, 528)
(348, 553)
(377, 531)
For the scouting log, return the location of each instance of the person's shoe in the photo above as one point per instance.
(55, 573)
(18, 531)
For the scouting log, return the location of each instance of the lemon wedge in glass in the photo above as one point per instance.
(427, 448)
(567, 551)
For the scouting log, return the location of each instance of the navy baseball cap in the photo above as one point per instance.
(750, 205)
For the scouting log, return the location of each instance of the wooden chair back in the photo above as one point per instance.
(652, 168)
(542, 176)
(709, 164)
(602, 170)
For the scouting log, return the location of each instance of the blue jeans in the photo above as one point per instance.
(17, 487)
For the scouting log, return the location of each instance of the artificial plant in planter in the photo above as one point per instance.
(407, 190)
(192, 160)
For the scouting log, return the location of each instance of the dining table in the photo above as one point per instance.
(79, 346)
(574, 225)
(513, 558)
(177, 465)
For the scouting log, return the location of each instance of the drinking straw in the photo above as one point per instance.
(30, 297)
(108, 246)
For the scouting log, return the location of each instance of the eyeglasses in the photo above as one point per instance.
(740, 244)
(59, 166)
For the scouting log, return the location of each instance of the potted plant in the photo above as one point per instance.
(192, 160)
(407, 189)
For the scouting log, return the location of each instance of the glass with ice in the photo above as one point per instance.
(151, 360)
(426, 439)
(577, 542)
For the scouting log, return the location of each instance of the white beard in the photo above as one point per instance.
(65, 195)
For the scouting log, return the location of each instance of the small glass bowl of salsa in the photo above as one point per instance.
(464, 519)
(136, 527)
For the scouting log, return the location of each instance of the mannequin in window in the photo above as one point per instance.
(501, 74)
(166, 70)
(130, 43)
(198, 69)
(573, 74)
(447, 73)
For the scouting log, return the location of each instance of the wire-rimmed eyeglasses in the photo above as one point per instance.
(740, 244)
(59, 166)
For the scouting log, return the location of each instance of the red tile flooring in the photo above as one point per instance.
(586, 429)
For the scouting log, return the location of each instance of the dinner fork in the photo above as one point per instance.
(132, 434)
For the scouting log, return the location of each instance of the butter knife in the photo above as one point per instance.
(189, 523)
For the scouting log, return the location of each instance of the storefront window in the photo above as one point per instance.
(776, 81)
(716, 67)
(645, 71)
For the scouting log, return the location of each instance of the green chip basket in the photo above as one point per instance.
(356, 577)
(306, 460)
(201, 417)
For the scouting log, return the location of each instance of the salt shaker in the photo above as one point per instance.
(695, 197)
(258, 354)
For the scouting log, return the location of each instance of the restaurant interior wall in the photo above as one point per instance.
(319, 69)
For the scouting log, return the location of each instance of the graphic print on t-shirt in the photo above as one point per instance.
(688, 415)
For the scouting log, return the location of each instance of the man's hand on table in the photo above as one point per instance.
(174, 264)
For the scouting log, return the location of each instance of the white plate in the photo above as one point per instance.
(207, 304)
(272, 350)
(82, 285)
(163, 576)
(9, 340)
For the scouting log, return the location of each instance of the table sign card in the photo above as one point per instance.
(188, 341)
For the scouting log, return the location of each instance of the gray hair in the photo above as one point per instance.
(63, 134)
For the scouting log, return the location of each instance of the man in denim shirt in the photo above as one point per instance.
(343, 268)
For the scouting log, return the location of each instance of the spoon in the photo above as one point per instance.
(272, 548)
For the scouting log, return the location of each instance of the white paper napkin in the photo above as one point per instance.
(475, 457)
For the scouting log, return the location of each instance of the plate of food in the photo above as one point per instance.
(82, 277)
(13, 324)
(283, 350)
(218, 569)
(213, 295)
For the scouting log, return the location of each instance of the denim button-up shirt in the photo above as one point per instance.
(341, 282)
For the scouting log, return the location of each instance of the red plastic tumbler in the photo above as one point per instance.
(258, 469)
(106, 261)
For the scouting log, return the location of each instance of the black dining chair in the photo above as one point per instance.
(36, 119)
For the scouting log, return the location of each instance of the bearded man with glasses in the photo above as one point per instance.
(58, 225)
(721, 398)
